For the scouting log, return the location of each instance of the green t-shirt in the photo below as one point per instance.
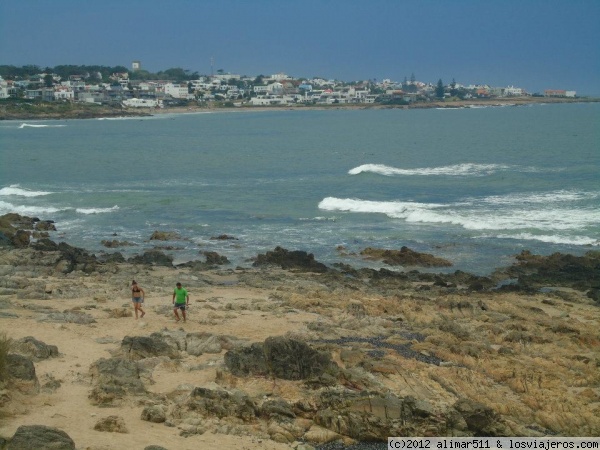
(180, 295)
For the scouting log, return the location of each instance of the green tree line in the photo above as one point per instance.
(93, 73)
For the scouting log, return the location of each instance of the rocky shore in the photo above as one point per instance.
(290, 353)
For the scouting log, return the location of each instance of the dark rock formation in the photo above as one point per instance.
(213, 258)
(164, 236)
(223, 237)
(577, 272)
(279, 357)
(20, 367)
(152, 257)
(38, 350)
(140, 347)
(481, 420)
(286, 259)
(40, 437)
(114, 378)
(209, 402)
(405, 257)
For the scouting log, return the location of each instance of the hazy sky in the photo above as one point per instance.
(534, 44)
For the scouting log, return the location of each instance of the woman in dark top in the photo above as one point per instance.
(137, 297)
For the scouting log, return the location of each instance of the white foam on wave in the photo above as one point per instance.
(96, 210)
(466, 169)
(17, 190)
(540, 197)
(397, 210)
(26, 210)
(35, 125)
(472, 218)
(552, 239)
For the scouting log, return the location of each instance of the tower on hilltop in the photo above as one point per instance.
(136, 65)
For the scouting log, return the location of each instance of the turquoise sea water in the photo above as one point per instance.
(475, 186)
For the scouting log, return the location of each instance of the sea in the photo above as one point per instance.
(473, 185)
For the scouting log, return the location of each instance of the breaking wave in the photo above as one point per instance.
(16, 190)
(96, 210)
(34, 125)
(474, 217)
(466, 169)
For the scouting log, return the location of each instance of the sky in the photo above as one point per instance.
(533, 44)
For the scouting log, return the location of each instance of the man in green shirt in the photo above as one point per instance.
(181, 299)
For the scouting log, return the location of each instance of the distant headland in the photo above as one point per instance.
(80, 92)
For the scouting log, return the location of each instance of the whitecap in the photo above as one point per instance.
(16, 190)
(552, 239)
(34, 125)
(466, 169)
(96, 210)
(6, 207)
(472, 218)
(541, 197)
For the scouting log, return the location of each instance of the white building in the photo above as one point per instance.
(142, 103)
(176, 90)
(64, 93)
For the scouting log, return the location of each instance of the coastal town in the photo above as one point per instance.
(137, 88)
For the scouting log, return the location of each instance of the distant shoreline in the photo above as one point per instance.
(77, 111)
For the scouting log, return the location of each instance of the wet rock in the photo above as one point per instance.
(152, 257)
(405, 257)
(578, 272)
(223, 237)
(114, 243)
(164, 236)
(213, 258)
(290, 260)
(40, 437)
(21, 238)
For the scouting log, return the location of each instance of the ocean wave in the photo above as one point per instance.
(466, 169)
(397, 210)
(16, 190)
(552, 239)
(472, 218)
(6, 208)
(540, 197)
(34, 125)
(96, 210)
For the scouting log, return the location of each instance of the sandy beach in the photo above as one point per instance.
(456, 357)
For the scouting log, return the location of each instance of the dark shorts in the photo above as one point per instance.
(137, 299)
(180, 306)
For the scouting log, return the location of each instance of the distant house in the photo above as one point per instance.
(559, 93)
(64, 93)
(177, 90)
(44, 94)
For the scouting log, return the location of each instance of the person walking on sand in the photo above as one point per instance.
(137, 298)
(181, 299)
